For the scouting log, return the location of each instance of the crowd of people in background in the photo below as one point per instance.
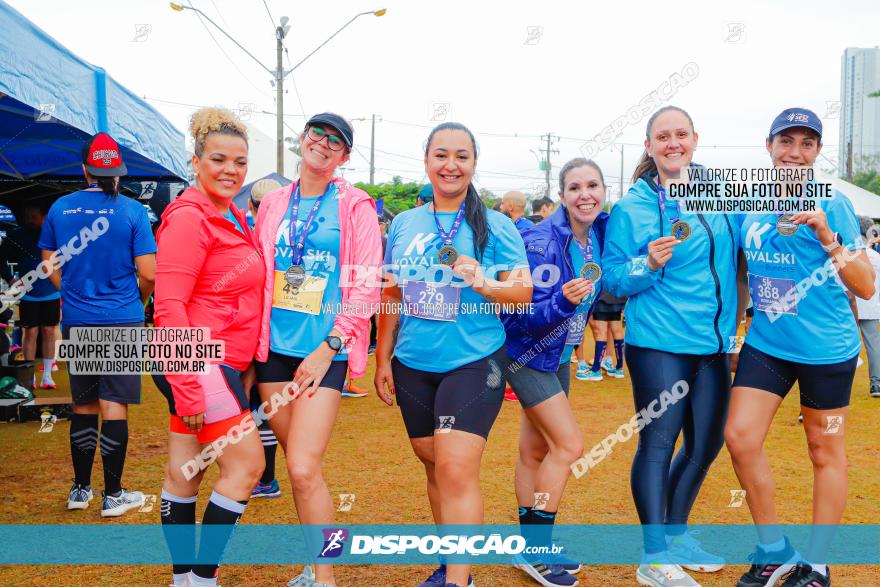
(666, 289)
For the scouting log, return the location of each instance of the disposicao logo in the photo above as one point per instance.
(334, 542)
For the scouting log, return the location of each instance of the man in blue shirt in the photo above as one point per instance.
(39, 307)
(513, 204)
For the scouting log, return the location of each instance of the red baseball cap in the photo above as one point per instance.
(102, 158)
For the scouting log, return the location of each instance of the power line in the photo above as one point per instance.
(219, 46)
(271, 20)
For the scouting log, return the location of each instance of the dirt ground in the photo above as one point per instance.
(370, 457)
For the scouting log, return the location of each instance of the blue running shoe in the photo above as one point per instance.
(589, 375)
(546, 575)
(267, 490)
(438, 579)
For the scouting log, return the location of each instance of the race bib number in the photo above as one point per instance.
(576, 328)
(306, 299)
(773, 294)
(431, 301)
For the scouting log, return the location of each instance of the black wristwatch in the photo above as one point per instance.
(334, 342)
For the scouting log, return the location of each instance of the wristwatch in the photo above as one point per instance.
(834, 243)
(334, 342)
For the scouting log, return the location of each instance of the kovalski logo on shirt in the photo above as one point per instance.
(755, 240)
(418, 243)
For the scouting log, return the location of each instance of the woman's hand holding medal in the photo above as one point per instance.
(660, 251)
(577, 289)
(817, 221)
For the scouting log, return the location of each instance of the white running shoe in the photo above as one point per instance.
(79, 497)
(686, 551)
(664, 576)
(113, 507)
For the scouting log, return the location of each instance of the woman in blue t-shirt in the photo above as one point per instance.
(448, 259)
(802, 268)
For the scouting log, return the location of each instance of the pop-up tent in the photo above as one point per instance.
(51, 101)
(864, 202)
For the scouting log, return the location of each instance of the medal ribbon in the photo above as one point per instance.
(448, 237)
(586, 248)
(661, 191)
(296, 253)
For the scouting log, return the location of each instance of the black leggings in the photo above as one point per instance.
(664, 489)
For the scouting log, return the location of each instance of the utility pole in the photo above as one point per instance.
(372, 149)
(279, 102)
(849, 161)
(546, 162)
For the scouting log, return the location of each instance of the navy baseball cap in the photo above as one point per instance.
(334, 120)
(796, 117)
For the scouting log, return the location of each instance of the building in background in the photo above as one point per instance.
(859, 112)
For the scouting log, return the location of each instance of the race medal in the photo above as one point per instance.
(681, 230)
(295, 276)
(447, 255)
(785, 226)
(591, 272)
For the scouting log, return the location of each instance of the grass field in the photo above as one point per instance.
(370, 457)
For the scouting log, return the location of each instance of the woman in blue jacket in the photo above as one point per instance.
(564, 255)
(679, 270)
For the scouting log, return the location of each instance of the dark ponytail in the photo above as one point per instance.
(109, 185)
(646, 162)
(474, 208)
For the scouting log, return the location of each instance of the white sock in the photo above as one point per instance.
(196, 581)
(582, 363)
(180, 579)
(774, 547)
(47, 365)
(821, 569)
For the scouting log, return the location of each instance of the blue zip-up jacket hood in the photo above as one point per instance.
(536, 339)
(688, 306)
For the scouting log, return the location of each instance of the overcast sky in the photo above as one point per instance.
(502, 68)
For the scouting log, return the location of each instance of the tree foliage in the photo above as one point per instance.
(399, 196)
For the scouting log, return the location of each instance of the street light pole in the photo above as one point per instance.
(278, 74)
(279, 102)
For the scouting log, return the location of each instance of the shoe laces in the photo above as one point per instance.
(671, 571)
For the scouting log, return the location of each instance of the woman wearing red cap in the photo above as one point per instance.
(208, 276)
(315, 236)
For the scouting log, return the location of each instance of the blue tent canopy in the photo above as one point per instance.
(51, 101)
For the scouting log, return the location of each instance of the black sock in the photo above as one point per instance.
(270, 445)
(114, 443)
(599, 355)
(542, 533)
(618, 352)
(83, 442)
(525, 518)
(223, 512)
(178, 525)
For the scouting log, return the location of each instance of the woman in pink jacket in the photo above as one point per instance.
(209, 274)
(319, 238)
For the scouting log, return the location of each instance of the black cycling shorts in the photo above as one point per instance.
(467, 398)
(823, 387)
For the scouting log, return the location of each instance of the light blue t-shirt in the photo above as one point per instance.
(577, 262)
(816, 326)
(297, 334)
(231, 218)
(439, 346)
(98, 281)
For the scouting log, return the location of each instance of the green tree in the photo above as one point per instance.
(399, 196)
(869, 180)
